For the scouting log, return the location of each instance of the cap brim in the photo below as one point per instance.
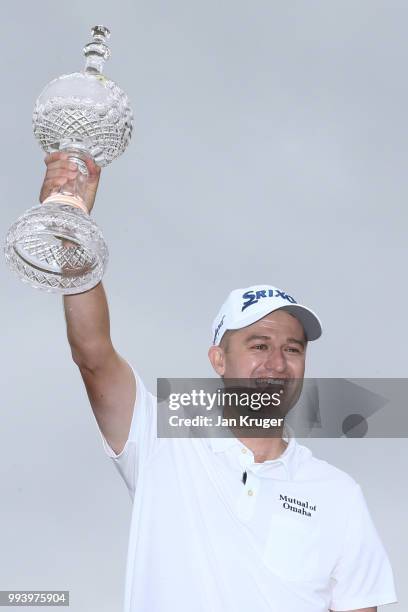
(309, 320)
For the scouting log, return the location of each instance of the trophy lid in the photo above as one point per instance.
(85, 110)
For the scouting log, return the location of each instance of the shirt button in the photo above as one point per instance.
(250, 492)
(243, 450)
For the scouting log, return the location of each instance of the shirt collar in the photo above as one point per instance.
(289, 459)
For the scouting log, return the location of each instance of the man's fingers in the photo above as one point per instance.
(57, 155)
(49, 186)
(93, 169)
(63, 164)
(59, 172)
(60, 157)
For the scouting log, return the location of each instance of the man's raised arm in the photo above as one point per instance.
(108, 378)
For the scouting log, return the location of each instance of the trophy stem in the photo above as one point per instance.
(73, 191)
(97, 51)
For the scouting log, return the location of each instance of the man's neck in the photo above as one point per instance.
(265, 449)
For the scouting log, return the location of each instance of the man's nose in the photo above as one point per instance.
(275, 361)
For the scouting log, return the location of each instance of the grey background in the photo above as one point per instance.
(269, 146)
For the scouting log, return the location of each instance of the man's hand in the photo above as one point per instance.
(60, 171)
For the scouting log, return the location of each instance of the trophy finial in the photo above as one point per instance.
(101, 32)
(97, 51)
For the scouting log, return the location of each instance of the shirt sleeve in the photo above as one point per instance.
(142, 438)
(362, 577)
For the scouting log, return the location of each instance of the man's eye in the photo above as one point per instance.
(293, 349)
(260, 347)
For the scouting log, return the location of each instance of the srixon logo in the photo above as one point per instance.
(252, 297)
(217, 329)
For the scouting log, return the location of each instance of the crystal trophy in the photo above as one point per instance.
(56, 246)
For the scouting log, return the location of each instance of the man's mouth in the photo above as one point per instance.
(270, 382)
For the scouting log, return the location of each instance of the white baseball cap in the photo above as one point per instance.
(246, 306)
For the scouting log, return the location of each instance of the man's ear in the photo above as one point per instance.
(216, 355)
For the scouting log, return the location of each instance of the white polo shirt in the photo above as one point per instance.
(297, 537)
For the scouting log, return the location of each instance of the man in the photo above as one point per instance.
(226, 524)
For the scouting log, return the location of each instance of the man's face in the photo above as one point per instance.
(272, 348)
